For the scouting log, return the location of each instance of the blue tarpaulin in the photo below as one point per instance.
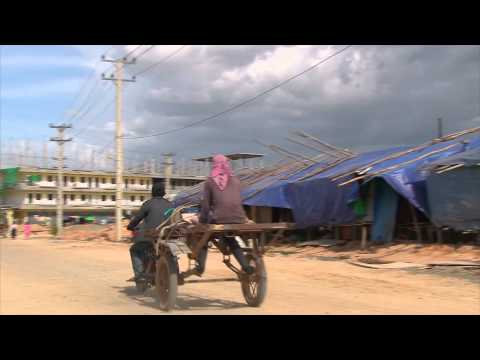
(454, 196)
(318, 201)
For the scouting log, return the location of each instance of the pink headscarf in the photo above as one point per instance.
(221, 171)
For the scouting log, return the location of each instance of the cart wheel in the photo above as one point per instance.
(254, 287)
(166, 281)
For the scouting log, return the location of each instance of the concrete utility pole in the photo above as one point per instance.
(167, 171)
(60, 140)
(119, 63)
(45, 155)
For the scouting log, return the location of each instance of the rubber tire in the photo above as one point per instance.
(261, 273)
(168, 264)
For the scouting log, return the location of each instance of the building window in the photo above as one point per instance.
(104, 181)
(50, 178)
(64, 180)
(50, 196)
(72, 179)
(148, 182)
(83, 197)
(97, 182)
(104, 197)
(126, 183)
(132, 198)
(72, 197)
(114, 181)
(132, 181)
(112, 197)
(38, 196)
(64, 199)
(30, 198)
(82, 179)
(142, 198)
(141, 182)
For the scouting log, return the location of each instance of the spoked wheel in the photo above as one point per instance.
(166, 281)
(254, 287)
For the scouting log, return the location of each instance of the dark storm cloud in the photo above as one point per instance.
(367, 97)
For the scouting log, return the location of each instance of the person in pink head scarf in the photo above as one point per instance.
(222, 204)
(221, 171)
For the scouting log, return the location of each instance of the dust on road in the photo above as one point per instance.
(88, 277)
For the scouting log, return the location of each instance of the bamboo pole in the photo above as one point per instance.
(308, 136)
(396, 166)
(405, 152)
(333, 155)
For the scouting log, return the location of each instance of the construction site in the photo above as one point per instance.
(335, 229)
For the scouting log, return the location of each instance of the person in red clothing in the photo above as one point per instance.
(222, 204)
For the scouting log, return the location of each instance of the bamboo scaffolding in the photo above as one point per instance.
(308, 136)
(334, 155)
(405, 152)
(396, 166)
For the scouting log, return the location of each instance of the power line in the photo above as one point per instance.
(94, 118)
(90, 107)
(166, 58)
(89, 77)
(144, 52)
(243, 102)
(131, 52)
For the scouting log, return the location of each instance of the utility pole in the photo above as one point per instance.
(167, 171)
(60, 140)
(440, 127)
(119, 63)
(45, 155)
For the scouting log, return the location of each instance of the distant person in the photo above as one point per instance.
(152, 213)
(13, 230)
(222, 204)
(27, 230)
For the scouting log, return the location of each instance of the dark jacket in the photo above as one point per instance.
(152, 213)
(222, 207)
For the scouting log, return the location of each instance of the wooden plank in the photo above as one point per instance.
(242, 227)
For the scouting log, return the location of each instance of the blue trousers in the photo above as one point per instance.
(139, 253)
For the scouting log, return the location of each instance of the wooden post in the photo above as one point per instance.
(415, 223)
(309, 234)
(439, 235)
(254, 213)
(430, 233)
(363, 244)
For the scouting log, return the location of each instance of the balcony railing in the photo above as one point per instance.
(108, 186)
(45, 183)
(80, 185)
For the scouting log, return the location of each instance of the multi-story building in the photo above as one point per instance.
(33, 191)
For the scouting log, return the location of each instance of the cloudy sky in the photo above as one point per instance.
(367, 97)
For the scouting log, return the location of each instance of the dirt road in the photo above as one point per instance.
(55, 277)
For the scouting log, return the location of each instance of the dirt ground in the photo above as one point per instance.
(42, 276)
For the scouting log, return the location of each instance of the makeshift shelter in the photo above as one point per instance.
(329, 192)
(453, 191)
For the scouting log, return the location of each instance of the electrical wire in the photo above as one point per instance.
(245, 102)
(166, 58)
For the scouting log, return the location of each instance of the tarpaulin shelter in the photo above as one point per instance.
(453, 191)
(315, 198)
